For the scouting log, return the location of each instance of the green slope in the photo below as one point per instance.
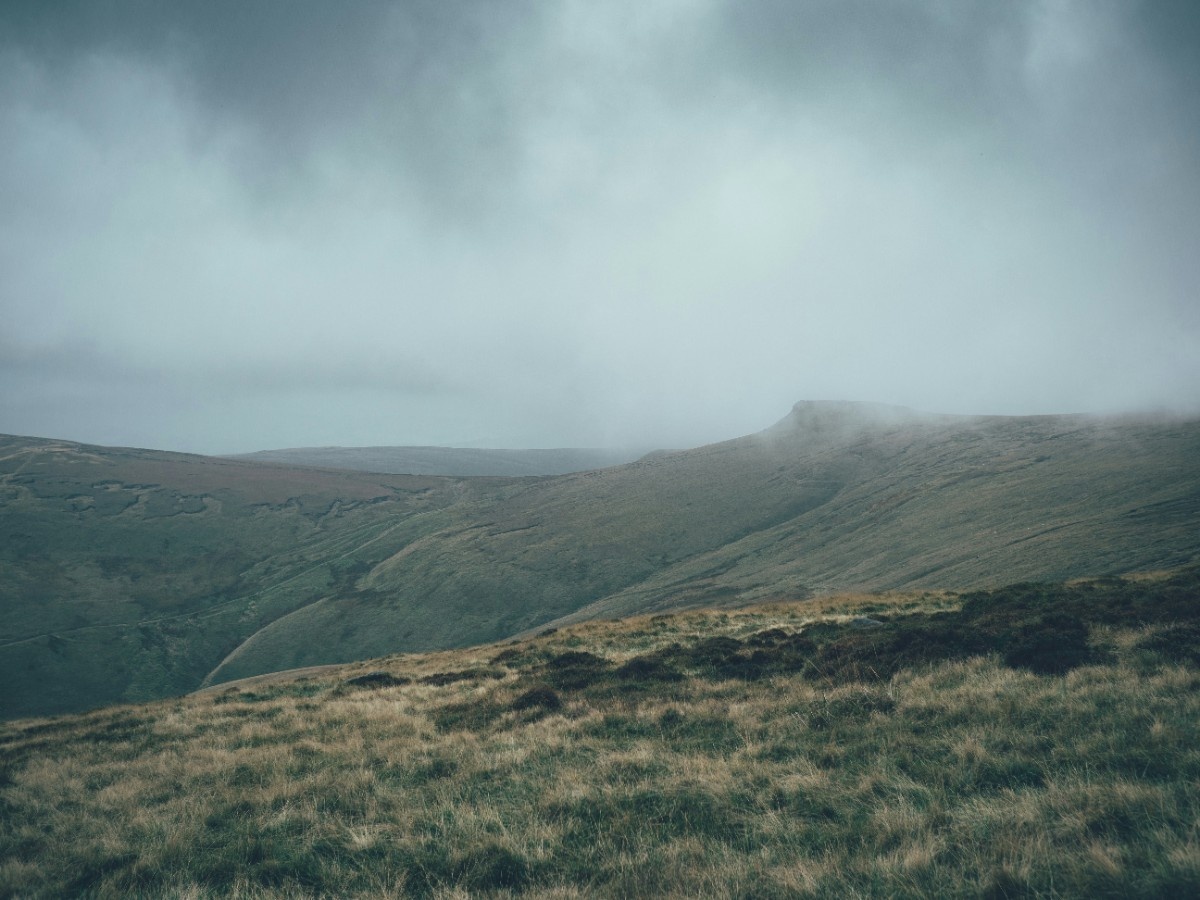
(130, 574)
(834, 497)
(969, 502)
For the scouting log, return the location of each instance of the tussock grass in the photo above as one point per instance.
(777, 751)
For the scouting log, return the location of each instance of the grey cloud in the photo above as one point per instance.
(578, 223)
(425, 87)
(79, 362)
(950, 57)
(1169, 30)
(81, 391)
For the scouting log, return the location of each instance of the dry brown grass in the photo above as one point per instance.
(959, 778)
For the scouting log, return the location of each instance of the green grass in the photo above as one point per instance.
(705, 754)
(133, 574)
(129, 575)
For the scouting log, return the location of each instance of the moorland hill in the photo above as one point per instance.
(134, 574)
(446, 460)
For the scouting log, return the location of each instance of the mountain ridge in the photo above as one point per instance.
(449, 461)
(706, 572)
(133, 574)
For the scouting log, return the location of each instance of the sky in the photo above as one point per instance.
(231, 226)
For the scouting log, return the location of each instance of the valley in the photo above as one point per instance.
(134, 574)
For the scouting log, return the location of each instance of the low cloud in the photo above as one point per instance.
(231, 227)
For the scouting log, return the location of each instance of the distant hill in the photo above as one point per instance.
(446, 460)
(132, 574)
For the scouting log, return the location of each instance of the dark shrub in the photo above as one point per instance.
(645, 668)
(444, 678)
(494, 868)
(1178, 643)
(507, 656)
(1055, 645)
(767, 638)
(574, 670)
(377, 680)
(715, 651)
(539, 697)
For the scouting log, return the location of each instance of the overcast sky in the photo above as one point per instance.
(230, 226)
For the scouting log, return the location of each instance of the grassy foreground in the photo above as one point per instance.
(1032, 741)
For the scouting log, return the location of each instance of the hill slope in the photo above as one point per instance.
(1035, 741)
(446, 460)
(131, 574)
(128, 574)
(834, 497)
(944, 501)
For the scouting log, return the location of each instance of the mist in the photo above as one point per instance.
(232, 227)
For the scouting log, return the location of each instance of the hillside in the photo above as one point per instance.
(835, 497)
(134, 574)
(1029, 741)
(128, 574)
(446, 460)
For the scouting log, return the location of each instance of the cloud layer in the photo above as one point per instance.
(232, 226)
